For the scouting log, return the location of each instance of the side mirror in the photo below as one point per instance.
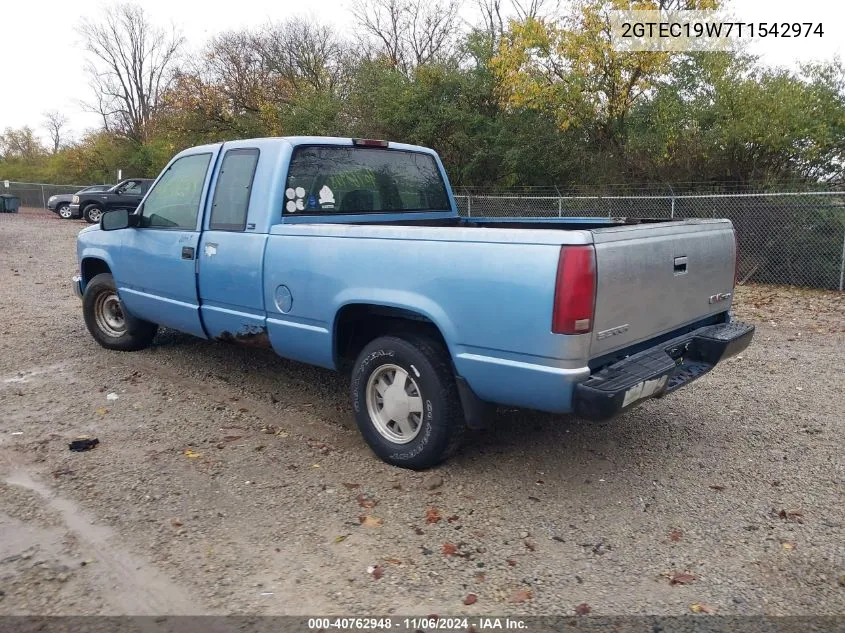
(119, 219)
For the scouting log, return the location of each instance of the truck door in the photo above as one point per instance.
(231, 254)
(157, 273)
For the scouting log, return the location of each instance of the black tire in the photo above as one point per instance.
(94, 210)
(64, 207)
(441, 425)
(102, 318)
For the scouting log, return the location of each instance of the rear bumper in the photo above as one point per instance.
(659, 370)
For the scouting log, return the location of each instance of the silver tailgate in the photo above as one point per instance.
(653, 278)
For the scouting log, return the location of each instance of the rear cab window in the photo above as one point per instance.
(325, 179)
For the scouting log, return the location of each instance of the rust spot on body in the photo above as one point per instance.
(250, 336)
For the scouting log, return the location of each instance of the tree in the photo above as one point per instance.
(409, 33)
(569, 67)
(55, 123)
(21, 143)
(132, 65)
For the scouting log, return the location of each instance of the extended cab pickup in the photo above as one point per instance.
(91, 205)
(350, 253)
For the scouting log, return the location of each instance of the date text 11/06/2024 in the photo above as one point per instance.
(462, 624)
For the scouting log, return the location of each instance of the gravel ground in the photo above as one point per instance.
(231, 481)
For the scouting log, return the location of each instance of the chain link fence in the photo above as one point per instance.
(795, 238)
(36, 194)
(787, 237)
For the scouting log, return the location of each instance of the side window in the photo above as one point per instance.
(132, 188)
(175, 200)
(234, 187)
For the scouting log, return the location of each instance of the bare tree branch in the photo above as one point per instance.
(56, 124)
(409, 33)
(131, 65)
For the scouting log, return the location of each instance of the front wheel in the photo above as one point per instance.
(92, 214)
(406, 401)
(106, 320)
(64, 211)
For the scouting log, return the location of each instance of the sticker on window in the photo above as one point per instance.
(291, 206)
(290, 193)
(326, 198)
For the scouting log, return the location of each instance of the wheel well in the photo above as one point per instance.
(92, 267)
(358, 324)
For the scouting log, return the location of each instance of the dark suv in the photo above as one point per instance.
(126, 194)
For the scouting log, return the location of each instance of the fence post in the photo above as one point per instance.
(43, 199)
(559, 203)
(672, 210)
(469, 204)
(842, 265)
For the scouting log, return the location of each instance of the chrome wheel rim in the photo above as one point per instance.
(94, 215)
(109, 314)
(64, 212)
(395, 404)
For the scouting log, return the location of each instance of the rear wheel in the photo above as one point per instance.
(105, 319)
(406, 401)
(92, 213)
(64, 210)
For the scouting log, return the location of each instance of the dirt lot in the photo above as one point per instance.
(231, 481)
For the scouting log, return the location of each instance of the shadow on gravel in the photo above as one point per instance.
(550, 439)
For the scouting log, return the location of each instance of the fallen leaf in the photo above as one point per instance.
(470, 598)
(521, 595)
(717, 488)
(449, 549)
(675, 535)
(700, 607)
(101, 410)
(582, 609)
(191, 453)
(418, 531)
(371, 522)
(788, 546)
(453, 518)
(432, 515)
(176, 523)
(680, 578)
(352, 486)
(366, 501)
(393, 561)
(791, 515)
(378, 572)
(511, 562)
(341, 538)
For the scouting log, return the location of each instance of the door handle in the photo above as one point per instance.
(187, 252)
(680, 265)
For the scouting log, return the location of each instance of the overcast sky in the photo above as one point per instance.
(41, 54)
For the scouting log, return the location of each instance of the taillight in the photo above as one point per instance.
(575, 290)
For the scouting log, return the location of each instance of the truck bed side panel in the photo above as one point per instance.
(491, 302)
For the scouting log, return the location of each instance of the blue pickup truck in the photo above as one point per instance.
(350, 254)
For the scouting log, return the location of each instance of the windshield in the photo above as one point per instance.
(334, 179)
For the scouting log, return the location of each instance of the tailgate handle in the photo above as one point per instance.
(680, 265)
